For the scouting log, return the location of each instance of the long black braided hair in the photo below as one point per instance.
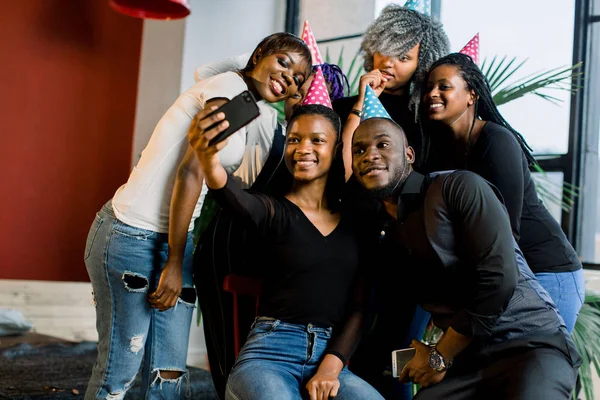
(485, 108)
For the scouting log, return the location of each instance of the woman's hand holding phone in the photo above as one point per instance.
(204, 127)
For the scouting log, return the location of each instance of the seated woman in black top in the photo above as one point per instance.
(466, 131)
(310, 305)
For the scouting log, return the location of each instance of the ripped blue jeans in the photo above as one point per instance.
(124, 265)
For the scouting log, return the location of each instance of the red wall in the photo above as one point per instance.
(68, 85)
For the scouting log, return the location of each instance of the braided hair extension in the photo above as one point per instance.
(395, 32)
(485, 108)
(337, 80)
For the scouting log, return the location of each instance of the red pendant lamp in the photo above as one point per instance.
(153, 9)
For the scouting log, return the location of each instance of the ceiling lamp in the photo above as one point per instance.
(153, 9)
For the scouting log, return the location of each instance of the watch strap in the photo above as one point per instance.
(356, 112)
(444, 364)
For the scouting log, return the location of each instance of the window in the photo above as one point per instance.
(507, 28)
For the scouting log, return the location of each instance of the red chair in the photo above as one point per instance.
(241, 286)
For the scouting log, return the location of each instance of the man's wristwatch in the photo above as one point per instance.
(437, 361)
(356, 112)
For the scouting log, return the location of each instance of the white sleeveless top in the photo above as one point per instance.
(145, 199)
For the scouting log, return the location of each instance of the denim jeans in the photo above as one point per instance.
(279, 359)
(124, 265)
(567, 290)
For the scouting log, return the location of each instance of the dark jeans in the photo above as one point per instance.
(372, 361)
(531, 374)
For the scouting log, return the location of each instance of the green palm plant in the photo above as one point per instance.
(585, 335)
(499, 71)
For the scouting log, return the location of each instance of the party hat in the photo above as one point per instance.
(317, 92)
(472, 48)
(372, 108)
(422, 6)
(310, 41)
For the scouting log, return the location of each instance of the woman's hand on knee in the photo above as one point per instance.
(323, 385)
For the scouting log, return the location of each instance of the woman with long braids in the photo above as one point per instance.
(466, 131)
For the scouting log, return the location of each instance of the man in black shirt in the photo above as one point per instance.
(450, 237)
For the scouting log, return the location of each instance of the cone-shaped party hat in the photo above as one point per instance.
(372, 108)
(317, 92)
(422, 6)
(472, 48)
(310, 41)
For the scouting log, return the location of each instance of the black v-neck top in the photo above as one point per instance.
(307, 277)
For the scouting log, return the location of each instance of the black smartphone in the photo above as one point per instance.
(239, 112)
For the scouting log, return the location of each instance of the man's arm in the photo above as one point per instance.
(485, 246)
(377, 83)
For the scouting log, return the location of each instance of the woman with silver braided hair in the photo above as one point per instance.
(395, 33)
(398, 48)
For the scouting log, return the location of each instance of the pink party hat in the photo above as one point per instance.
(422, 6)
(310, 41)
(317, 92)
(472, 48)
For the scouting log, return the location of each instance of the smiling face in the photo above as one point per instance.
(310, 147)
(279, 76)
(381, 160)
(398, 70)
(448, 96)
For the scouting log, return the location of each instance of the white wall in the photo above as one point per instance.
(334, 18)
(224, 28)
(159, 78)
